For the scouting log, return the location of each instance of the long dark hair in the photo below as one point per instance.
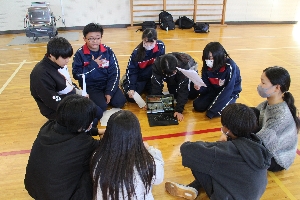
(280, 76)
(151, 35)
(120, 151)
(239, 119)
(219, 54)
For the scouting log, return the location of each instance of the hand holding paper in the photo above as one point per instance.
(193, 76)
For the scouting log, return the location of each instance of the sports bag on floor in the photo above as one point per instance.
(148, 24)
(201, 27)
(166, 21)
(185, 23)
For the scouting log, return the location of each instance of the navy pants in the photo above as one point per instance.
(203, 101)
(118, 100)
(99, 115)
(141, 87)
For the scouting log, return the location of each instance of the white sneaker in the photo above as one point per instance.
(179, 190)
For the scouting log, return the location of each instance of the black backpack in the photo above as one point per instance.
(166, 21)
(185, 23)
(148, 24)
(201, 27)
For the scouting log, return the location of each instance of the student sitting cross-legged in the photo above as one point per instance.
(235, 168)
(123, 167)
(100, 67)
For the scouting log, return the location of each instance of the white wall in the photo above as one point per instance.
(76, 12)
(111, 12)
(263, 10)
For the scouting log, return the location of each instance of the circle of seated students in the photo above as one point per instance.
(252, 139)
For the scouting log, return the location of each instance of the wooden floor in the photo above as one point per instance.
(252, 47)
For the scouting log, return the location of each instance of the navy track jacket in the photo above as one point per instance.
(105, 78)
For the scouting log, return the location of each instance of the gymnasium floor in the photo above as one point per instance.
(252, 47)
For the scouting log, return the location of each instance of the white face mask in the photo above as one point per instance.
(209, 63)
(149, 47)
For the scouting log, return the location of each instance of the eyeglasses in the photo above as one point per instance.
(93, 39)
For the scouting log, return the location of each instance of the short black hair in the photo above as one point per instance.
(92, 27)
(168, 63)
(76, 112)
(240, 119)
(59, 46)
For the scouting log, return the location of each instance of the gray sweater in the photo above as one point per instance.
(278, 132)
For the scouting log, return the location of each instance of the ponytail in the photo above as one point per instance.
(289, 99)
(141, 53)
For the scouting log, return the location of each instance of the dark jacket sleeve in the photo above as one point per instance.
(157, 78)
(230, 91)
(81, 65)
(182, 92)
(113, 74)
(204, 76)
(132, 70)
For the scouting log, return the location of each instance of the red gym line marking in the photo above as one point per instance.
(180, 134)
(11, 153)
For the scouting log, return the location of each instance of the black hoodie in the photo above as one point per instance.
(238, 168)
(179, 79)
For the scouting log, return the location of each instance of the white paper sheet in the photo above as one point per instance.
(193, 76)
(107, 114)
(83, 86)
(138, 99)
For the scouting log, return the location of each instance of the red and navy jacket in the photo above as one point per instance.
(226, 82)
(105, 78)
(142, 71)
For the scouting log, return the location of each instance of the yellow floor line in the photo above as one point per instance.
(279, 183)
